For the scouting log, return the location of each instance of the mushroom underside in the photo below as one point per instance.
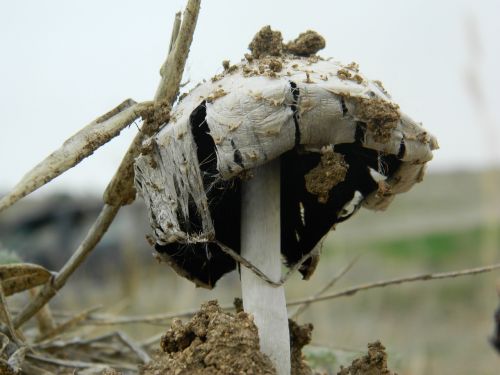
(319, 189)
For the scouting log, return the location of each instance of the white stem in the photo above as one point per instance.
(260, 244)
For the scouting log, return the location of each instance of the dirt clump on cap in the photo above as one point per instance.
(270, 43)
(381, 116)
(330, 171)
(373, 363)
(306, 44)
(215, 342)
(266, 43)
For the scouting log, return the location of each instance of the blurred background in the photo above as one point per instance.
(65, 63)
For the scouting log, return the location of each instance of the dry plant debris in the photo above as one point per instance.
(19, 277)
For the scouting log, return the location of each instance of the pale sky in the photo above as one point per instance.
(64, 63)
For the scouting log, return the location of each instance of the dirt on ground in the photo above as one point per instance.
(373, 363)
(215, 342)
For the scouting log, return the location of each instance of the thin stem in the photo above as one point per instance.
(380, 284)
(330, 284)
(7, 318)
(162, 318)
(173, 68)
(175, 31)
(50, 289)
(121, 189)
(74, 150)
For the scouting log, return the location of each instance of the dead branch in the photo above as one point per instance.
(75, 149)
(139, 352)
(44, 318)
(67, 325)
(148, 319)
(7, 318)
(379, 284)
(331, 283)
(173, 68)
(50, 289)
(175, 31)
(121, 190)
(78, 364)
(162, 318)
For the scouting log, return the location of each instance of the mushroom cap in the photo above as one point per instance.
(342, 141)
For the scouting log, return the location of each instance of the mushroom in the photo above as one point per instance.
(280, 140)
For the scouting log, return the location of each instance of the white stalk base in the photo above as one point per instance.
(260, 244)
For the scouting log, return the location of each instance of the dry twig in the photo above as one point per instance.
(50, 289)
(331, 283)
(163, 318)
(75, 149)
(44, 319)
(379, 284)
(67, 325)
(121, 190)
(7, 318)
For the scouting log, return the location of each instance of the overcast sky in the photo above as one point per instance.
(64, 63)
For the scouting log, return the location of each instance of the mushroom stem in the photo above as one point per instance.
(260, 244)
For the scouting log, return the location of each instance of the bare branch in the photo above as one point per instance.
(79, 364)
(246, 263)
(175, 31)
(121, 190)
(139, 352)
(75, 149)
(67, 325)
(7, 318)
(379, 284)
(331, 283)
(50, 289)
(162, 318)
(44, 318)
(173, 68)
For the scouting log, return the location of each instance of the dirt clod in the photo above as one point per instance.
(110, 371)
(215, 342)
(330, 171)
(266, 43)
(373, 363)
(381, 116)
(300, 336)
(212, 342)
(306, 44)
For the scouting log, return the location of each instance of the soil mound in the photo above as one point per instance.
(215, 342)
(373, 363)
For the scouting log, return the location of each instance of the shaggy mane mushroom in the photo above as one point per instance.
(334, 139)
